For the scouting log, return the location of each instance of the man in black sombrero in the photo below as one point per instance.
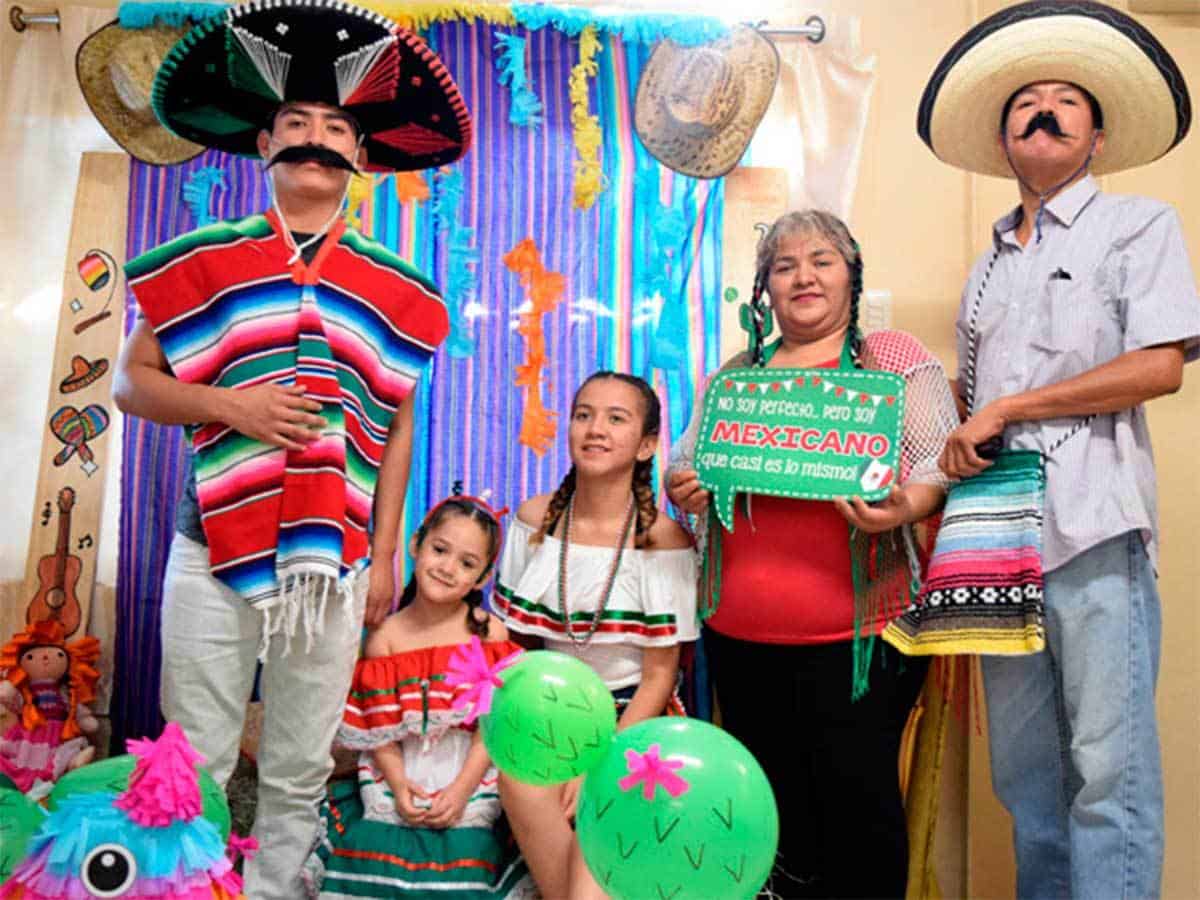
(290, 345)
(1083, 309)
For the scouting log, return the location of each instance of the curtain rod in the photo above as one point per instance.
(813, 27)
(20, 19)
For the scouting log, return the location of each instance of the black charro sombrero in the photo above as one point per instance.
(221, 83)
(1139, 87)
(115, 68)
(696, 108)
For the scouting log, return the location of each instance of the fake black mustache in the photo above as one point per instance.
(1046, 121)
(299, 153)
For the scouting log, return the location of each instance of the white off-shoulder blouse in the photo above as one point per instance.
(653, 600)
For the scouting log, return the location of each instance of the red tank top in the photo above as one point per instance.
(785, 573)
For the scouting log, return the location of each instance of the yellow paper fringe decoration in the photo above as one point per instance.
(411, 187)
(418, 16)
(545, 290)
(361, 185)
(585, 127)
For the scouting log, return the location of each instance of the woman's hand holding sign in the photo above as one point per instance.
(910, 503)
(683, 487)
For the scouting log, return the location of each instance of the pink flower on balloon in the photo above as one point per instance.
(469, 667)
(651, 772)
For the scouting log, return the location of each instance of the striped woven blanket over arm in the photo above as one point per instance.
(356, 328)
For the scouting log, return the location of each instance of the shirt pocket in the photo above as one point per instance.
(1081, 330)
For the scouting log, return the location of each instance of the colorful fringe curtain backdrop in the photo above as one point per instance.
(641, 272)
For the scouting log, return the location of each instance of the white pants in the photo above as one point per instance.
(210, 638)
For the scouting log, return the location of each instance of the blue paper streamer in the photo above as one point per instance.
(634, 28)
(461, 257)
(197, 193)
(666, 235)
(526, 108)
(645, 28)
(177, 15)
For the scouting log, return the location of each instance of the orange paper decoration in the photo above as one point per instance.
(545, 290)
(410, 186)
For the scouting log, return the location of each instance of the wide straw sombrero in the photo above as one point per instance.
(224, 80)
(697, 107)
(1140, 89)
(115, 68)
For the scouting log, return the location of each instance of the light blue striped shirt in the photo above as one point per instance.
(1110, 275)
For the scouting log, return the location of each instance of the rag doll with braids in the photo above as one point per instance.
(804, 587)
(593, 570)
(47, 683)
(426, 799)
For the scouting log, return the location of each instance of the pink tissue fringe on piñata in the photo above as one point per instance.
(163, 787)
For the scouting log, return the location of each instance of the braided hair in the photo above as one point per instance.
(643, 469)
(808, 222)
(477, 617)
(556, 506)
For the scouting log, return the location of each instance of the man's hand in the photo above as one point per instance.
(894, 509)
(448, 806)
(274, 414)
(683, 487)
(959, 459)
(380, 591)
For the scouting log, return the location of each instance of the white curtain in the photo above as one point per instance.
(45, 126)
(815, 125)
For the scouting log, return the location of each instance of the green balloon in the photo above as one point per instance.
(20, 819)
(112, 776)
(551, 720)
(716, 838)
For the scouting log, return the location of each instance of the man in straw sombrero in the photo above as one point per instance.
(290, 345)
(1085, 306)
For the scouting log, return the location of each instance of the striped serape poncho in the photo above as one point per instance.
(356, 328)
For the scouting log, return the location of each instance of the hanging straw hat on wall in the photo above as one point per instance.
(1140, 90)
(224, 80)
(115, 68)
(697, 107)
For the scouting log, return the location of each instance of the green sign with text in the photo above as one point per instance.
(811, 434)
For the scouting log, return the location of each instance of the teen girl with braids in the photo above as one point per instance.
(594, 571)
(420, 823)
(806, 586)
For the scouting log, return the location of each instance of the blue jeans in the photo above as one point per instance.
(1073, 736)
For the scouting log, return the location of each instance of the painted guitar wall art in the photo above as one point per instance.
(58, 575)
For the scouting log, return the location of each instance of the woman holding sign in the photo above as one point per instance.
(799, 589)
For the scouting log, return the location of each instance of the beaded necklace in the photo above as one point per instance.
(608, 584)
